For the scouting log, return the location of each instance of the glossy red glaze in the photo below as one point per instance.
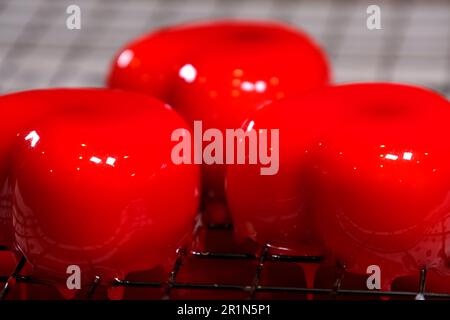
(220, 71)
(364, 167)
(6, 232)
(17, 111)
(272, 209)
(94, 186)
(380, 178)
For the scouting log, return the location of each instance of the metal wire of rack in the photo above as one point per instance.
(249, 289)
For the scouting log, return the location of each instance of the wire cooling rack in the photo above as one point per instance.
(257, 287)
(38, 51)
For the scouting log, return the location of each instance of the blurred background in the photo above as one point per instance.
(38, 51)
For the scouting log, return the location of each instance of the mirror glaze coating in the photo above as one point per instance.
(17, 112)
(218, 72)
(381, 179)
(98, 189)
(274, 209)
(364, 168)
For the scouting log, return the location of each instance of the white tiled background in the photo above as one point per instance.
(37, 51)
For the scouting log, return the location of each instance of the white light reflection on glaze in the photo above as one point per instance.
(33, 137)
